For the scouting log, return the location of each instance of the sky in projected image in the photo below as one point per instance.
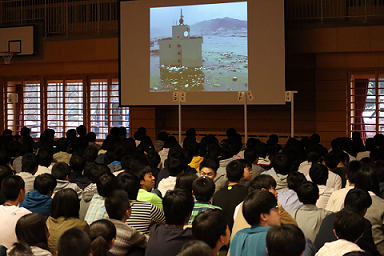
(205, 51)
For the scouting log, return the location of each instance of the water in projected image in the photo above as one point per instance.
(199, 48)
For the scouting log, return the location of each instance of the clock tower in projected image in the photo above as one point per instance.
(181, 50)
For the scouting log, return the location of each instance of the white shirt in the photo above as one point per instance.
(42, 169)
(9, 215)
(304, 167)
(167, 184)
(336, 201)
(333, 181)
(338, 248)
(324, 195)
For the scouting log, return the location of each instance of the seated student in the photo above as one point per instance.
(61, 172)
(102, 234)
(333, 180)
(260, 211)
(348, 228)
(334, 165)
(119, 210)
(208, 168)
(147, 183)
(31, 231)
(44, 160)
(13, 189)
(175, 166)
(39, 200)
(359, 201)
(23, 149)
(195, 247)
(96, 209)
(319, 176)
(28, 169)
(62, 155)
(184, 180)
(143, 214)
(266, 183)
(4, 172)
(252, 155)
(74, 242)
(77, 164)
(282, 165)
(168, 239)
(285, 240)
(64, 215)
(228, 150)
(211, 227)
(247, 176)
(309, 217)
(203, 189)
(288, 198)
(230, 196)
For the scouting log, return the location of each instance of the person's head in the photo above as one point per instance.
(331, 160)
(29, 163)
(62, 144)
(195, 247)
(211, 226)
(208, 167)
(90, 154)
(184, 180)
(348, 225)
(77, 163)
(260, 208)
(45, 184)
(251, 155)
(352, 170)
(105, 184)
(235, 171)
(102, 234)
(5, 171)
(294, 179)
(13, 188)
(81, 130)
(285, 240)
(32, 230)
(70, 134)
(318, 174)
(147, 180)
(117, 205)
(228, 148)
(128, 182)
(65, 204)
(367, 179)
(74, 242)
(203, 189)
(308, 192)
(263, 182)
(175, 165)
(20, 249)
(177, 206)
(25, 131)
(94, 171)
(358, 200)
(281, 164)
(247, 176)
(44, 157)
(61, 171)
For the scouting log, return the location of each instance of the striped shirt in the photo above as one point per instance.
(143, 214)
(200, 207)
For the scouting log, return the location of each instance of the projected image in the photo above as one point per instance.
(199, 48)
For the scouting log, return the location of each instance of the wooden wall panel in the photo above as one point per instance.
(142, 116)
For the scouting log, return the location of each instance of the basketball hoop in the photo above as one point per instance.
(7, 56)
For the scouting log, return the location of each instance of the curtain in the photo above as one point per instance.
(361, 90)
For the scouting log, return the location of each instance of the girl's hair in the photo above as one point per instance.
(101, 233)
(20, 249)
(65, 204)
(32, 230)
(185, 180)
(195, 247)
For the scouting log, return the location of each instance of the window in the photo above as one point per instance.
(367, 104)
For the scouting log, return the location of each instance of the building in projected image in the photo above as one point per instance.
(181, 50)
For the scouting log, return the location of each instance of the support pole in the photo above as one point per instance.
(289, 97)
(245, 118)
(14, 117)
(179, 122)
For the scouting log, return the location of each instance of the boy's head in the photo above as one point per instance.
(77, 163)
(44, 157)
(147, 180)
(13, 186)
(318, 174)
(208, 168)
(281, 164)
(62, 144)
(263, 182)
(247, 176)
(211, 226)
(358, 200)
(348, 225)
(286, 239)
(295, 179)
(175, 165)
(260, 208)
(45, 184)
(129, 183)
(29, 163)
(308, 192)
(90, 154)
(61, 171)
(105, 184)
(203, 189)
(331, 160)
(74, 242)
(177, 206)
(117, 205)
(251, 155)
(235, 171)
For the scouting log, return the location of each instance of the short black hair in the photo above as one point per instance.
(117, 204)
(105, 183)
(286, 239)
(60, 170)
(262, 182)
(44, 157)
(281, 164)
(177, 206)
(90, 154)
(331, 160)
(65, 204)
(235, 170)
(44, 183)
(348, 225)
(11, 186)
(367, 179)
(203, 189)
(318, 174)
(94, 171)
(62, 144)
(209, 225)
(74, 242)
(294, 179)
(175, 165)
(77, 163)
(251, 154)
(128, 182)
(195, 247)
(352, 170)
(256, 203)
(308, 192)
(25, 131)
(357, 200)
(184, 180)
(91, 136)
(81, 130)
(5, 171)
(29, 163)
(209, 163)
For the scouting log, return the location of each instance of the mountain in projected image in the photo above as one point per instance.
(223, 26)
